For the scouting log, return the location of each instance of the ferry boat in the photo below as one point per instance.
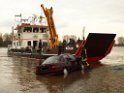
(36, 39)
(41, 41)
(28, 36)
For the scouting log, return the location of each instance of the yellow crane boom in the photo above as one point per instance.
(53, 35)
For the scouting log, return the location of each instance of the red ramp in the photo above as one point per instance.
(98, 45)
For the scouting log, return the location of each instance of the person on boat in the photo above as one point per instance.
(60, 48)
(84, 63)
(40, 46)
(64, 43)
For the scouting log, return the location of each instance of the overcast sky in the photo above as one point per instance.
(98, 16)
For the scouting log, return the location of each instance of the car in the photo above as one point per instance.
(58, 64)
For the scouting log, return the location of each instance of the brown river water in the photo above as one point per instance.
(17, 75)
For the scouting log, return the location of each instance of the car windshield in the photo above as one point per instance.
(72, 57)
(69, 57)
(51, 60)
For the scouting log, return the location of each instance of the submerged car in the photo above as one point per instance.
(59, 64)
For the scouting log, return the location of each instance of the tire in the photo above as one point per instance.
(65, 72)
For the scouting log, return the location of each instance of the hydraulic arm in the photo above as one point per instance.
(53, 35)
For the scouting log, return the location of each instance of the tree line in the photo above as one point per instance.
(120, 41)
(5, 39)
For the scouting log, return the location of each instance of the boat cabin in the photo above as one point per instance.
(28, 35)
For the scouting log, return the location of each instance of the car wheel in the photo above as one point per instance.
(65, 72)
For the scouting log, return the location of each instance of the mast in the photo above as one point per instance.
(83, 32)
(12, 33)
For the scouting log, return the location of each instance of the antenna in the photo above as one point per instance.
(83, 32)
(19, 16)
(12, 33)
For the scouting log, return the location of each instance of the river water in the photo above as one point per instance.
(17, 75)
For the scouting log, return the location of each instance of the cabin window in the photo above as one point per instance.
(19, 35)
(46, 29)
(29, 43)
(17, 43)
(14, 43)
(35, 44)
(45, 44)
(20, 42)
(35, 30)
(43, 30)
(27, 29)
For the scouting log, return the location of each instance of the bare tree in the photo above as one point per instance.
(121, 41)
(7, 38)
(1, 40)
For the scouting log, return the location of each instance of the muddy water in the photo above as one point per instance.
(17, 75)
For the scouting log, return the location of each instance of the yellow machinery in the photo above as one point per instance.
(53, 35)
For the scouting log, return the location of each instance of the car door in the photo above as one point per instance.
(70, 61)
(74, 62)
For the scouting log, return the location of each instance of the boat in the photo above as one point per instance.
(42, 41)
(33, 39)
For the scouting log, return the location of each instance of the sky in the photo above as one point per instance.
(70, 16)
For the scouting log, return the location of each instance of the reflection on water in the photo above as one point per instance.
(116, 57)
(17, 75)
(59, 84)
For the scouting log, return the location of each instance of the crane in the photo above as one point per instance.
(53, 35)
